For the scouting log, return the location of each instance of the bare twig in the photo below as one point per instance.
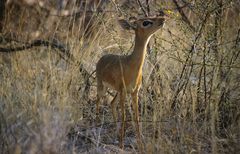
(184, 17)
(189, 56)
(142, 8)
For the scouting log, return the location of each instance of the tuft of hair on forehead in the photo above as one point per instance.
(132, 18)
(127, 25)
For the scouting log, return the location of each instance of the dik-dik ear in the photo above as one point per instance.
(127, 25)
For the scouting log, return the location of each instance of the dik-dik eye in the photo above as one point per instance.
(147, 23)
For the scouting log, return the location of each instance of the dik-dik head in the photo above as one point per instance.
(144, 27)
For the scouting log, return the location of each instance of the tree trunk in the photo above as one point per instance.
(2, 12)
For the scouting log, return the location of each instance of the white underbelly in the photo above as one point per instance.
(106, 84)
(130, 88)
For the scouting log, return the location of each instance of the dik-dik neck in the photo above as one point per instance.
(138, 55)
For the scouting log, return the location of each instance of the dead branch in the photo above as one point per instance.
(36, 43)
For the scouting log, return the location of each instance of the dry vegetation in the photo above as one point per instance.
(189, 100)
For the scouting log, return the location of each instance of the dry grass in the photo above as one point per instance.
(44, 107)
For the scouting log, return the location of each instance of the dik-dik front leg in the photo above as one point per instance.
(122, 104)
(136, 117)
(100, 94)
(113, 106)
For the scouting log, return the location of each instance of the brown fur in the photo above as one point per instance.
(124, 73)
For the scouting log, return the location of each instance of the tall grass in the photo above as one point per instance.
(189, 100)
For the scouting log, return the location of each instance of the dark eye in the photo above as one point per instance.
(145, 23)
